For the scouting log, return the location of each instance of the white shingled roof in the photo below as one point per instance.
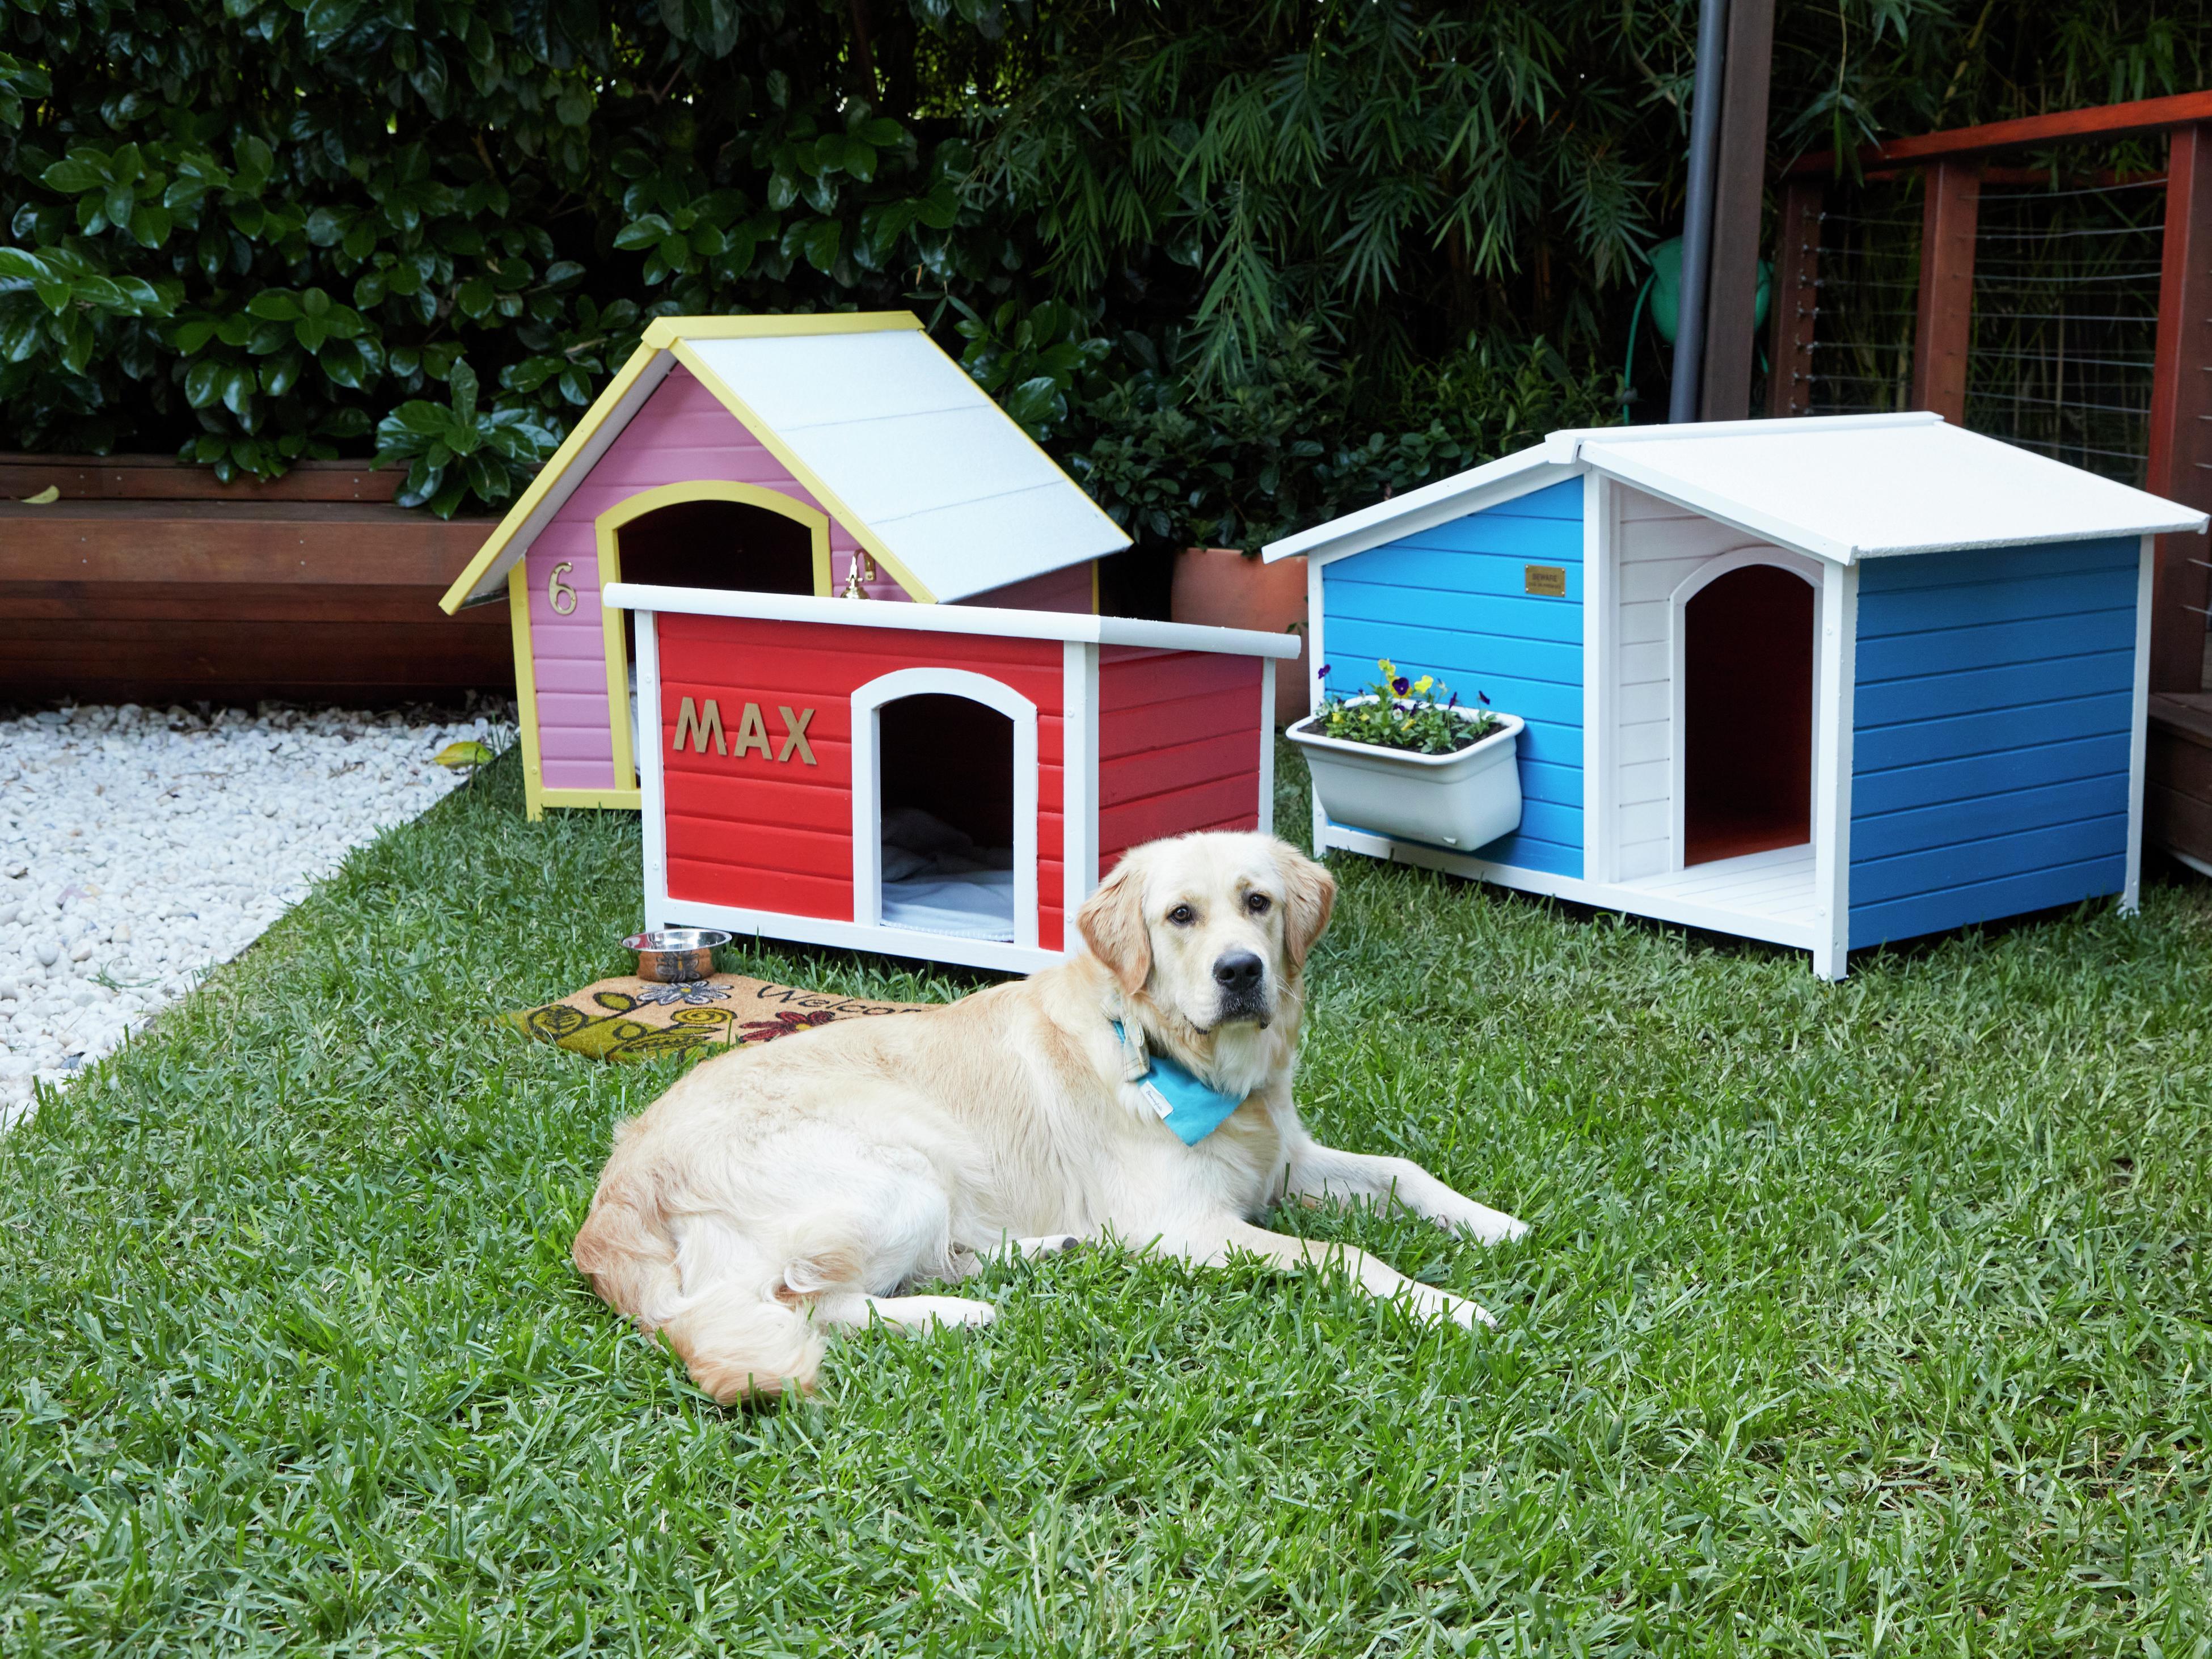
(887, 432)
(1841, 488)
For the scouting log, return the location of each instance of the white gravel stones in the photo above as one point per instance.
(139, 847)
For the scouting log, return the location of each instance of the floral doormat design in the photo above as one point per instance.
(632, 1018)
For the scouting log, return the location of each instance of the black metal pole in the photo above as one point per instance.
(1697, 210)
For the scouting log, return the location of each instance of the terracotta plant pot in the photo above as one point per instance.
(1219, 587)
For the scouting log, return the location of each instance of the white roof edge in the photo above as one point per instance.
(1480, 487)
(1433, 503)
(1077, 626)
(1767, 427)
(1783, 533)
(2195, 526)
(1614, 451)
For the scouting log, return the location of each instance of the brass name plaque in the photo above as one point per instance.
(1548, 581)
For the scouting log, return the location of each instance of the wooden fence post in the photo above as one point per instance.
(1945, 327)
(1796, 300)
(2181, 411)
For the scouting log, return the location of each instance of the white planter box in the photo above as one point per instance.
(1461, 800)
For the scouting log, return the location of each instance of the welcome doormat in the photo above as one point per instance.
(633, 1018)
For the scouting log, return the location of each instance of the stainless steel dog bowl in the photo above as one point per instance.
(675, 955)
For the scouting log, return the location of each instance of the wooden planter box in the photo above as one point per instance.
(2177, 790)
(149, 581)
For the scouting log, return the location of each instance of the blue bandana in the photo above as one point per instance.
(1186, 1104)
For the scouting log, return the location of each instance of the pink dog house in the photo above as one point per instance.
(806, 456)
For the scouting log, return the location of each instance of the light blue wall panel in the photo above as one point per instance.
(1990, 734)
(1451, 601)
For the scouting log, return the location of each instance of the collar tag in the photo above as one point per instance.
(1187, 1105)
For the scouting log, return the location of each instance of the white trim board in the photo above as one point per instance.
(2139, 728)
(1604, 896)
(867, 784)
(1449, 499)
(651, 763)
(1835, 693)
(1600, 676)
(769, 926)
(1267, 745)
(1079, 806)
(1078, 626)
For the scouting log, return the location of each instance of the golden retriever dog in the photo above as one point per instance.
(778, 1191)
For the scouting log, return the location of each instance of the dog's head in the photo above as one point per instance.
(1211, 930)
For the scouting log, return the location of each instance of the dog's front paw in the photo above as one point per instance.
(1482, 1223)
(1433, 1305)
(1045, 1244)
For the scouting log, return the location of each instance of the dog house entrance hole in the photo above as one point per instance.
(1746, 714)
(729, 545)
(947, 816)
(733, 546)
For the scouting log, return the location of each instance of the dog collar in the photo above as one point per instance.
(1186, 1103)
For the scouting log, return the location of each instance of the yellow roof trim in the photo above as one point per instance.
(665, 331)
(830, 501)
(548, 477)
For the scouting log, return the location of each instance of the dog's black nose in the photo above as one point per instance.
(1240, 970)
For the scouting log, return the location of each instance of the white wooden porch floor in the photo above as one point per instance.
(1776, 885)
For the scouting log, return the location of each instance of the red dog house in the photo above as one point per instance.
(941, 781)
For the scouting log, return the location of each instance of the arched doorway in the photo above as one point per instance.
(1747, 729)
(707, 533)
(719, 544)
(944, 805)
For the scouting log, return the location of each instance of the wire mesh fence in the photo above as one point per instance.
(2066, 321)
(1864, 300)
(2065, 313)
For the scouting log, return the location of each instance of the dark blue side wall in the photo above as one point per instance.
(1451, 602)
(1990, 734)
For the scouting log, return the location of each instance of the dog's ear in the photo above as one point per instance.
(1112, 921)
(1310, 894)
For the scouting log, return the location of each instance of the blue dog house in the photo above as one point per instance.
(1825, 682)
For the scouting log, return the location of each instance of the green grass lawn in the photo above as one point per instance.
(1856, 1318)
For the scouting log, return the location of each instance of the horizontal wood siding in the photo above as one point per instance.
(681, 434)
(129, 598)
(768, 835)
(1178, 745)
(1990, 734)
(2178, 775)
(1067, 589)
(165, 478)
(1451, 601)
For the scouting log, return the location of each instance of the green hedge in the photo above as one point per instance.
(1238, 266)
(265, 231)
